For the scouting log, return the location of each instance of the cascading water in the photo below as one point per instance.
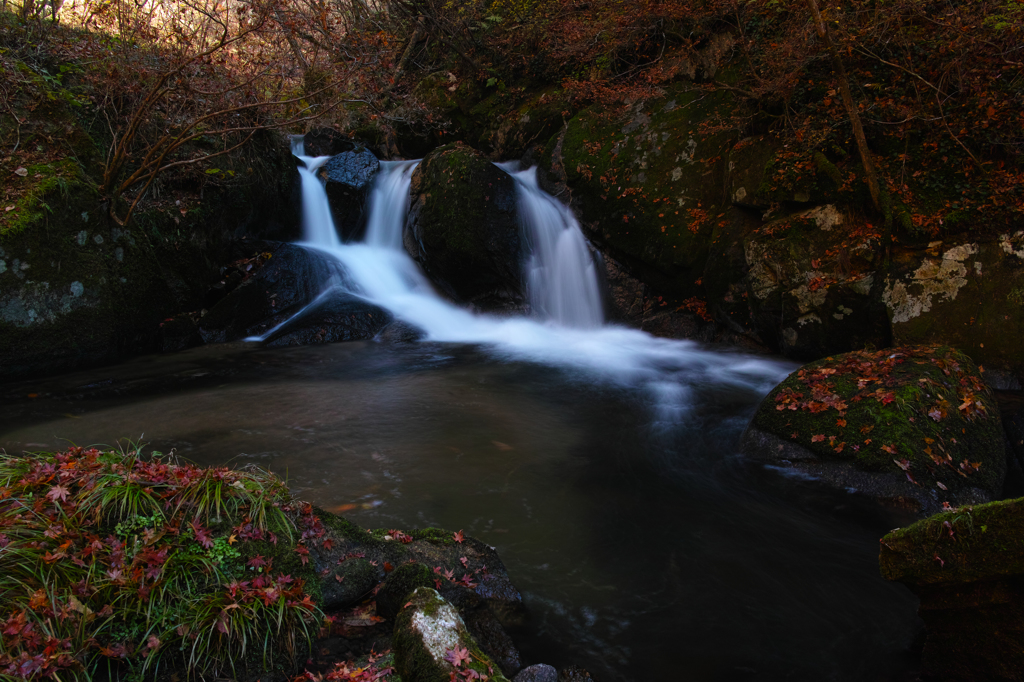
(563, 287)
(561, 277)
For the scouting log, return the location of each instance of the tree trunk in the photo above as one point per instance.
(851, 108)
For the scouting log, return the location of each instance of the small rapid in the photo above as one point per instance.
(566, 328)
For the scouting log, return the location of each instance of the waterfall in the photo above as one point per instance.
(561, 278)
(568, 330)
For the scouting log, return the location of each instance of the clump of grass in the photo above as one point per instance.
(131, 563)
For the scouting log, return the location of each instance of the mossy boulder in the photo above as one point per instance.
(431, 642)
(967, 567)
(967, 294)
(812, 285)
(650, 182)
(463, 228)
(913, 426)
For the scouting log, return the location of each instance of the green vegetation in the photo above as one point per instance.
(142, 565)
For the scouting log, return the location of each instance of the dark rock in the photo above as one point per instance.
(400, 332)
(349, 176)
(887, 425)
(539, 672)
(291, 279)
(326, 142)
(399, 583)
(349, 583)
(179, 333)
(334, 316)
(463, 229)
(967, 568)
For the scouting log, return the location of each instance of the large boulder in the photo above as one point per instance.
(967, 294)
(348, 178)
(912, 426)
(463, 228)
(967, 567)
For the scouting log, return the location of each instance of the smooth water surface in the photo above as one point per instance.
(645, 547)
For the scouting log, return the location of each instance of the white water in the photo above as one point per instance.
(567, 329)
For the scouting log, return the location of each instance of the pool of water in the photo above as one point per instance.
(645, 546)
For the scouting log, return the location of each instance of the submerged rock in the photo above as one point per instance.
(349, 176)
(463, 229)
(967, 567)
(912, 427)
(431, 641)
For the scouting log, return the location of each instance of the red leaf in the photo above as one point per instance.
(458, 537)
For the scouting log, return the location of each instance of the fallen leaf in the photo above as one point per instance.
(21, 172)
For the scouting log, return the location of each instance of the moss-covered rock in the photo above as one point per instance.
(812, 285)
(912, 425)
(399, 584)
(430, 637)
(463, 228)
(966, 294)
(650, 182)
(967, 567)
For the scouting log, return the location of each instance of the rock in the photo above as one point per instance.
(807, 296)
(463, 228)
(400, 332)
(485, 627)
(426, 633)
(967, 568)
(178, 333)
(292, 278)
(399, 584)
(349, 583)
(539, 672)
(326, 142)
(349, 177)
(574, 674)
(912, 426)
(334, 316)
(966, 294)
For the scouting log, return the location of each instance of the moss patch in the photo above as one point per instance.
(958, 546)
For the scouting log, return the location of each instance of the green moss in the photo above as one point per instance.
(923, 410)
(437, 536)
(49, 185)
(959, 546)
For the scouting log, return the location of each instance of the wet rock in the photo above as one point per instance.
(574, 674)
(425, 633)
(463, 229)
(539, 672)
(334, 316)
(291, 279)
(396, 588)
(966, 294)
(912, 427)
(349, 176)
(967, 568)
(400, 332)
